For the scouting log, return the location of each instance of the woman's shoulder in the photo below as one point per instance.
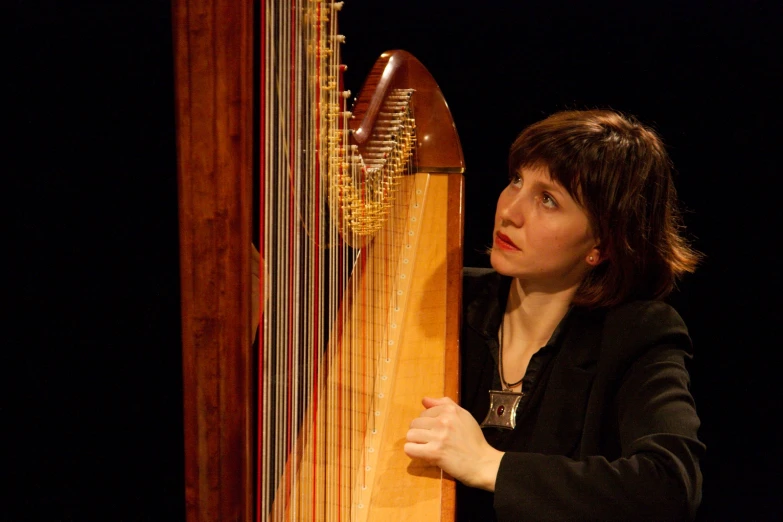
(470, 273)
(633, 327)
(477, 278)
(645, 315)
(483, 284)
(484, 294)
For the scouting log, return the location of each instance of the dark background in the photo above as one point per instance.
(91, 402)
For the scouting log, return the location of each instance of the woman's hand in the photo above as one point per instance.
(447, 435)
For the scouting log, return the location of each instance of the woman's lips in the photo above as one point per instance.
(504, 242)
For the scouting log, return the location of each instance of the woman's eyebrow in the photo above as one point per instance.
(548, 186)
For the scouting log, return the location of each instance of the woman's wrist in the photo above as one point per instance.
(488, 470)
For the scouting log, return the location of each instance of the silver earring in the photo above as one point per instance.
(590, 259)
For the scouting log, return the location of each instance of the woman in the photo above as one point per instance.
(575, 401)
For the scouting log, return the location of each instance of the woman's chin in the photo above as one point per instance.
(500, 263)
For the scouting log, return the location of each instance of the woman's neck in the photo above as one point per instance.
(531, 317)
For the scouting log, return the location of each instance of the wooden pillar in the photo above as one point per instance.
(213, 78)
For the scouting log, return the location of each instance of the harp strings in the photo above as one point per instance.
(327, 339)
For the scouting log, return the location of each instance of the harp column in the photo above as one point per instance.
(213, 79)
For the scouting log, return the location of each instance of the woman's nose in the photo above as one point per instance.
(511, 209)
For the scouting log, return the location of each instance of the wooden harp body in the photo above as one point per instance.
(360, 239)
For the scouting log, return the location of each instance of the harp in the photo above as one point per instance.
(360, 238)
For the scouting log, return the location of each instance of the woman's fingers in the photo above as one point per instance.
(424, 423)
(429, 431)
(429, 402)
(418, 436)
(448, 436)
(438, 407)
(417, 451)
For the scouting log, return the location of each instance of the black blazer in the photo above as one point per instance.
(615, 437)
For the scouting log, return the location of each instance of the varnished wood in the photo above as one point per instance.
(422, 360)
(213, 58)
(412, 489)
(213, 76)
(438, 148)
(454, 264)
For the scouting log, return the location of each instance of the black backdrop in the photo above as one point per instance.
(91, 403)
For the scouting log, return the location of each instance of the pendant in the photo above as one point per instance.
(502, 409)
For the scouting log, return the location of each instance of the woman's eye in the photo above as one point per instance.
(514, 179)
(548, 201)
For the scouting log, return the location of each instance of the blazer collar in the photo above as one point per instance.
(485, 313)
(573, 366)
(568, 388)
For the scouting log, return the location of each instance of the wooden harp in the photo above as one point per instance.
(360, 235)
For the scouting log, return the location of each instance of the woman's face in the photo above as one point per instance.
(542, 236)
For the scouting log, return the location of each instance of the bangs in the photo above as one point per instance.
(538, 150)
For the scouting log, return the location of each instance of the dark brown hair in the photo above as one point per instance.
(618, 170)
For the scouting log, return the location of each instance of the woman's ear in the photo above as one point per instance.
(594, 257)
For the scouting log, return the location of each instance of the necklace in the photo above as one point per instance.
(503, 403)
(506, 386)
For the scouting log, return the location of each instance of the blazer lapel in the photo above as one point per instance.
(562, 414)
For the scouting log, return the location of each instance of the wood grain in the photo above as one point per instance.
(214, 139)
